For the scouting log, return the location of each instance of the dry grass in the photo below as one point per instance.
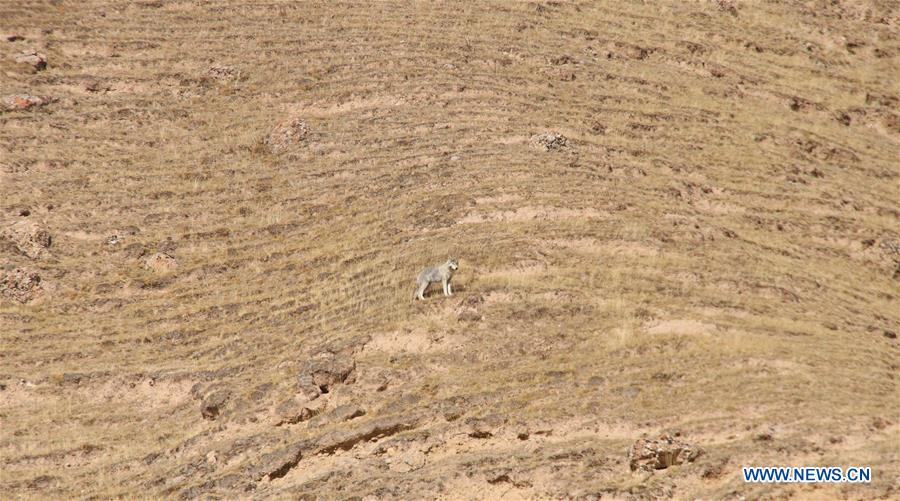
(710, 252)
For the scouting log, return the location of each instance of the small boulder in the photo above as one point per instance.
(21, 102)
(320, 373)
(32, 59)
(649, 455)
(287, 134)
(549, 141)
(29, 237)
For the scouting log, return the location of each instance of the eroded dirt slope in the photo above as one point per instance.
(671, 217)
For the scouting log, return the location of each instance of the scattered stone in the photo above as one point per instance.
(649, 455)
(21, 285)
(112, 240)
(33, 59)
(161, 263)
(20, 102)
(29, 237)
(549, 141)
(319, 374)
(12, 37)
(287, 134)
(890, 334)
(213, 404)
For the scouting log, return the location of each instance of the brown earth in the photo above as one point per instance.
(671, 218)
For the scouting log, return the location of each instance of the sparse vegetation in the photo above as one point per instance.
(208, 196)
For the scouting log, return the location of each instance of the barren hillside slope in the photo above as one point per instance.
(671, 217)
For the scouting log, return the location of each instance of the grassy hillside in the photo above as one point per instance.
(219, 194)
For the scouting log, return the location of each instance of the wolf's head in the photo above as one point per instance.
(453, 263)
